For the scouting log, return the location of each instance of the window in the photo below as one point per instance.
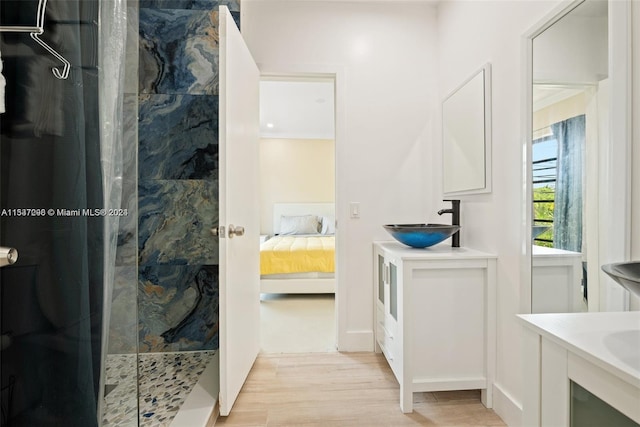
(545, 161)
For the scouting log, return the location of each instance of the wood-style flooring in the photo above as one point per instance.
(344, 389)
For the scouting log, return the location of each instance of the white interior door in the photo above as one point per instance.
(239, 253)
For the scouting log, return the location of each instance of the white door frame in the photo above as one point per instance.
(337, 73)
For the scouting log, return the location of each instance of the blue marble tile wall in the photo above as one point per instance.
(177, 174)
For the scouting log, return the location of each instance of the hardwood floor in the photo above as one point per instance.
(297, 323)
(344, 389)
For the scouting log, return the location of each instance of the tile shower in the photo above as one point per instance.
(164, 315)
(58, 150)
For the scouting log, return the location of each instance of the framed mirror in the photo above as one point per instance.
(574, 87)
(466, 136)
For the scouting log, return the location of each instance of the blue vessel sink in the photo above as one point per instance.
(421, 235)
(626, 274)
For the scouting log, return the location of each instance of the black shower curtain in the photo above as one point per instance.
(51, 299)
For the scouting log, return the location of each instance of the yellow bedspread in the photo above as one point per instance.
(298, 254)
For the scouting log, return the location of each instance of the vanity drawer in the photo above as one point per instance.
(391, 350)
(379, 314)
(390, 325)
(379, 324)
(393, 354)
(387, 330)
(385, 323)
(380, 337)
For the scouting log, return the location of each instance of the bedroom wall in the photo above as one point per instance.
(294, 171)
(385, 91)
(559, 111)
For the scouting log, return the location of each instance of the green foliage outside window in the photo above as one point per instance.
(544, 211)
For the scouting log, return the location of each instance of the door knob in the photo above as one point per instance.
(8, 256)
(235, 231)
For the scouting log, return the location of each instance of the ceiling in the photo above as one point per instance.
(297, 109)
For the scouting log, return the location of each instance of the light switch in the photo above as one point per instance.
(354, 209)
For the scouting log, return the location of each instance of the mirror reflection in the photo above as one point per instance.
(570, 119)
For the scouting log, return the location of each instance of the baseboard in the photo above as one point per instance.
(298, 286)
(506, 406)
(199, 407)
(356, 341)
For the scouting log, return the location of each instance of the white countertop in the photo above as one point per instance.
(439, 251)
(543, 251)
(608, 340)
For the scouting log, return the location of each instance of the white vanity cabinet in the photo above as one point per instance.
(581, 369)
(435, 318)
(556, 281)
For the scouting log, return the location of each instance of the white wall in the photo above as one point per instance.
(384, 57)
(294, 171)
(471, 33)
(635, 168)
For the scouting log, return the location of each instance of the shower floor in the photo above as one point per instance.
(163, 381)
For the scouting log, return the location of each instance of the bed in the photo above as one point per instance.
(299, 257)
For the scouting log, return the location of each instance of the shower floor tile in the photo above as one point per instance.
(165, 381)
(120, 404)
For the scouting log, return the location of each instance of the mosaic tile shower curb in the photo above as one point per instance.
(165, 380)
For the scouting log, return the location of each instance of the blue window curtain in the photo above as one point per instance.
(567, 219)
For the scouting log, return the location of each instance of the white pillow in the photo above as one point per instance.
(299, 224)
(328, 225)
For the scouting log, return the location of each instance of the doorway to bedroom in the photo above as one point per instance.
(297, 210)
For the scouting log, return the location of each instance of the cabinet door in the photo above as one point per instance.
(588, 409)
(393, 291)
(381, 278)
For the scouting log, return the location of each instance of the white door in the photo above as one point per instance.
(239, 252)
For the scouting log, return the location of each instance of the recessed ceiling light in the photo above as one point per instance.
(270, 125)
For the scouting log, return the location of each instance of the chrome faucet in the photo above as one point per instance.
(455, 220)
